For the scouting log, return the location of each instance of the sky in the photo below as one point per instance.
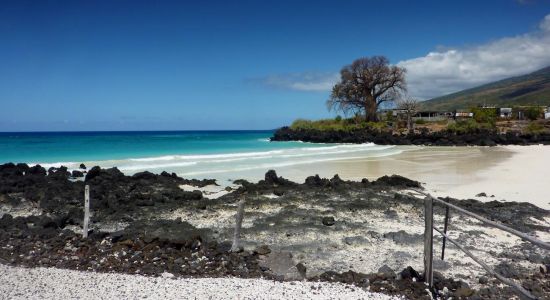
(178, 65)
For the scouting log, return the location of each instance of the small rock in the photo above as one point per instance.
(262, 250)
(328, 221)
(387, 271)
(83, 166)
(463, 292)
(301, 270)
(355, 240)
(483, 280)
(481, 195)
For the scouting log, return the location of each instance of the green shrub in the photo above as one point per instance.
(420, 122)
(389, 116)
(337, 124)
(534, 128)
(378, 126)
(485, 115)
(533, 113)
(469, 126)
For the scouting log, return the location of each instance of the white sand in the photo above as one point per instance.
(511, 173)
(524, 177)
(211, 191)
(50, 283)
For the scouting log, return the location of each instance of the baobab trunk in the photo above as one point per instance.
(370, 111)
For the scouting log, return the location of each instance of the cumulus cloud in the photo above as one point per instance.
(308, 82)
(444, 72)
(450, 70)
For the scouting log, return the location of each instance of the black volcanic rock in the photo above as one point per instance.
(397, 180)
(77, 174)
(440, 138)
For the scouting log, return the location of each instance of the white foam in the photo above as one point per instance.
(156, 166)
(195, 164)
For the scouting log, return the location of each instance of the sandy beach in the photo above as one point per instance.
(510, 173)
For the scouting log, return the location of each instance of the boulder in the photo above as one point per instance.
(409, 273)
(77, 174)
(397, 180)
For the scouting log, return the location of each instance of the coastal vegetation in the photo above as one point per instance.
(337, 124)
(469, 126)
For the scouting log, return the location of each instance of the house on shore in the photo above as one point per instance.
(505, 112)
(462, 114)
(432, 115)
(516, 112)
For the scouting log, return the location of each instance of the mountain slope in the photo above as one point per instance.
(530, 89)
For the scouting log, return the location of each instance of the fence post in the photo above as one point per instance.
(428, 241)
(238, 224)
(445, 231)
(86, 211)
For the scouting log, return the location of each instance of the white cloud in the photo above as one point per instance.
(450, 70)
(444, 72)
(309, 82)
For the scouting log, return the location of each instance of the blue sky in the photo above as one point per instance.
(162, 65)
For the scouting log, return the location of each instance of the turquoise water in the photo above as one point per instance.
(188, 153)
(53, 147)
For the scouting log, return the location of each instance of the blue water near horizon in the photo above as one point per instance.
(206, 154)
(51, 147)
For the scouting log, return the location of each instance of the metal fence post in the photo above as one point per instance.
(428, 241)
(445, 231)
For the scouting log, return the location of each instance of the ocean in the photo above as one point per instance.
(193, 154)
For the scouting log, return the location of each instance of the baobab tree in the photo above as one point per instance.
(409, 106)
(365, 84)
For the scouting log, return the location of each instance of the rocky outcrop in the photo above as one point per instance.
(440, 138)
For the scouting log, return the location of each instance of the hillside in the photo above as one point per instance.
(530, 89)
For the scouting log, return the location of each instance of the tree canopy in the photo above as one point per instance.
(365, 84)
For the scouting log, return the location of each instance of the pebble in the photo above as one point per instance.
(51, 283)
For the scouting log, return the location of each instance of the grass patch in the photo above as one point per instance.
(534, 128)
(469, 126)
(337, 124)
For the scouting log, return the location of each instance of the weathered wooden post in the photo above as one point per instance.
(238, 224)
(428, 241)
(445, 232)
(86, 211)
